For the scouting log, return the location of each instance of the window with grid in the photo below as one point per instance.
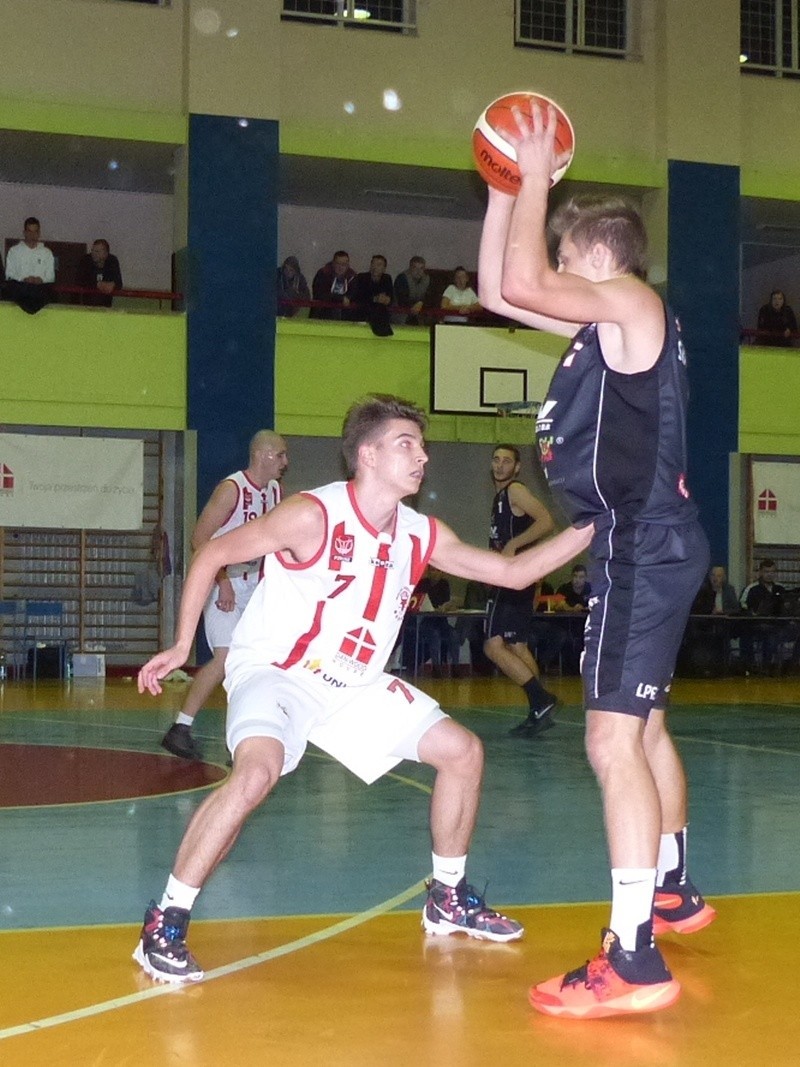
(770, 37)
(391, 15)
(594, 26)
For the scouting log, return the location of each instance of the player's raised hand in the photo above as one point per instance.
(535, 143)
(159, 667)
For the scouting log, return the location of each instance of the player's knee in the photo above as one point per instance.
(253, 784)
(468, 753)
(611, 738)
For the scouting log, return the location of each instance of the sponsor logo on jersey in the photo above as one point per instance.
(544, 420)
(683, 488)
(403, 598)
(646, 692)
(342, 547)
(247, 498)
(387, 564)
(546, 449)
(356, 650)
(681, 352)
(315, 667)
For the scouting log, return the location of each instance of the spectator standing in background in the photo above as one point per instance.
(776, 321)
(99, 270)
(332, 284)
(410, 290)
(30, 270)
(291, 286)
(372, 293)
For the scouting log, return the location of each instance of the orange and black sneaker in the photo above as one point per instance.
(617, 982)
(679, 908)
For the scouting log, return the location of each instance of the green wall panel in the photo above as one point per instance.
(80, 367)
(769, 387)
(83, 121)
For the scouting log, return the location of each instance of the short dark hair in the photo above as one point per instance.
(608, 220)
(32, 221)
(341, 252)
(379, 255)
(509, 448)
(416, 259)
(366, 418)
(766, 563)
(579, 568)
(102, 241)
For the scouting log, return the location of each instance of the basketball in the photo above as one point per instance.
(496, 158)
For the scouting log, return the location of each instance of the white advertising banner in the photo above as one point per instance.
(74, 483)
(776, 503)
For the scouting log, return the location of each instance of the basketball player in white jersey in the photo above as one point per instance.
(307, 664)
(239, 498)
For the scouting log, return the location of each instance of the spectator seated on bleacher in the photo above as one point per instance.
(546, 640)
(290, 286)
(30, 270)
(707, 642)
(411, 290)
(430, 637)
(99, 270)
(331, 285)
(460, 298)
(765, 599)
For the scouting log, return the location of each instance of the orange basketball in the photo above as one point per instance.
(496, 158)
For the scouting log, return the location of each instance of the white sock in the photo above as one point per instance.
(184, 720)
(449, 869)
(633, 889)
(672, 857)
(178, 894)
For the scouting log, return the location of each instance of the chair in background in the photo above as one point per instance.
(12, 645)
(44, 631)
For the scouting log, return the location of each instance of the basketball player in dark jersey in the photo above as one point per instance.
(612, 441)
(518, 521)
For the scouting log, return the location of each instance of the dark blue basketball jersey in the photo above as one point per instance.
(615, 444)
(505, 525)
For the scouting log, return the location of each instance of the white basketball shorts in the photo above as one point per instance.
(369, 728)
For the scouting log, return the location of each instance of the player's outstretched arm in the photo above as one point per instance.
(296, 526)
(454, 556)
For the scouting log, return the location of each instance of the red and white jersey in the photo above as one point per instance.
(252, 502)
(336, 616)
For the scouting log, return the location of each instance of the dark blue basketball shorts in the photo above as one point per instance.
(510, 614)
(644, 579)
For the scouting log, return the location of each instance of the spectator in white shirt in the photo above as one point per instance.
(30, 270)
(460, 296)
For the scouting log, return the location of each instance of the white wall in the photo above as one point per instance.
(314, 234)
(138, 226)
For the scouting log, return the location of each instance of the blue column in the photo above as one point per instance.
(703, 289)
(233, 212)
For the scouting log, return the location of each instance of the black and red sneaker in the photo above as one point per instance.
(679, 908)
(162, 951)
(615, 982)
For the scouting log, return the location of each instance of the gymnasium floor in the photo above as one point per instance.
(309, 933)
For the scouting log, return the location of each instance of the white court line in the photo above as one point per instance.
(219, 972)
